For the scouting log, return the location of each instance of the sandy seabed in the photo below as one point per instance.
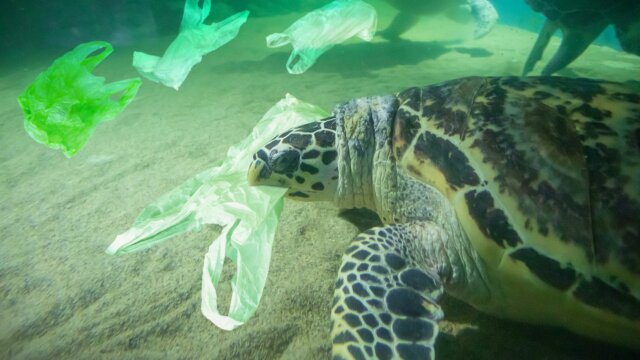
(61, 296)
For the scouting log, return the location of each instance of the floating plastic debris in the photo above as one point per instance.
(485, 15)
(194, 40)
(66, 102)
(315, 33)
(223, 196)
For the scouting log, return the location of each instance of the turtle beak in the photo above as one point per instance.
(258, 171)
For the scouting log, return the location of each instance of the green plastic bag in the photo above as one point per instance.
(194, 40)
(66, 102)
(318, 31)
(223, 196)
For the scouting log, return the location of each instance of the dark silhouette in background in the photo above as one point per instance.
(62, 24)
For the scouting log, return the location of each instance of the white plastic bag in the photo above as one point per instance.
(194, 40)
(318, 31)
(223, 196)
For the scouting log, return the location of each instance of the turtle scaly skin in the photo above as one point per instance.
(518, 196)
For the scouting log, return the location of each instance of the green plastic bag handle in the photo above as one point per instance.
(83, 51)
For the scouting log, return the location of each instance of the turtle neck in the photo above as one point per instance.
(365, 161)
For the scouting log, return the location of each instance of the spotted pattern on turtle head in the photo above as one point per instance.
(303, 159)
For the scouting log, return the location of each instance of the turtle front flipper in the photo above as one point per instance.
(628, 33)
(574, 43)
(384, 305)
(544, 36)
(485, 15)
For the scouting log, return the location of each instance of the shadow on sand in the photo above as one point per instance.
(354, 60)
(492, 338)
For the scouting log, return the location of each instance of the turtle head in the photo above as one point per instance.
(303, 160)
(345, 158)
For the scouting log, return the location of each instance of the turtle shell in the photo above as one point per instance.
(542, 172)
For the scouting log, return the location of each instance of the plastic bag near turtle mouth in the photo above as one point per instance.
(223, 196)
(315, 33)
(194, 40)
(66, 102)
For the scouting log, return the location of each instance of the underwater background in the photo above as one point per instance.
(61, 296)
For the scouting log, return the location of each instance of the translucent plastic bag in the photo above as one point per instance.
(194, 40)
(318, 31)
(66, 102)
(223, 196)
(485, 15)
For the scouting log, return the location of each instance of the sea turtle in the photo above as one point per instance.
(482, 11)
(519, 196)
(581, 21)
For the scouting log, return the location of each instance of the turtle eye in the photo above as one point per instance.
(285, 162)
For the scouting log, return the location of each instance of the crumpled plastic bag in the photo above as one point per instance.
(66, 102)
(194, 40)
(485, 15)
(315, 33)
(223, 196)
